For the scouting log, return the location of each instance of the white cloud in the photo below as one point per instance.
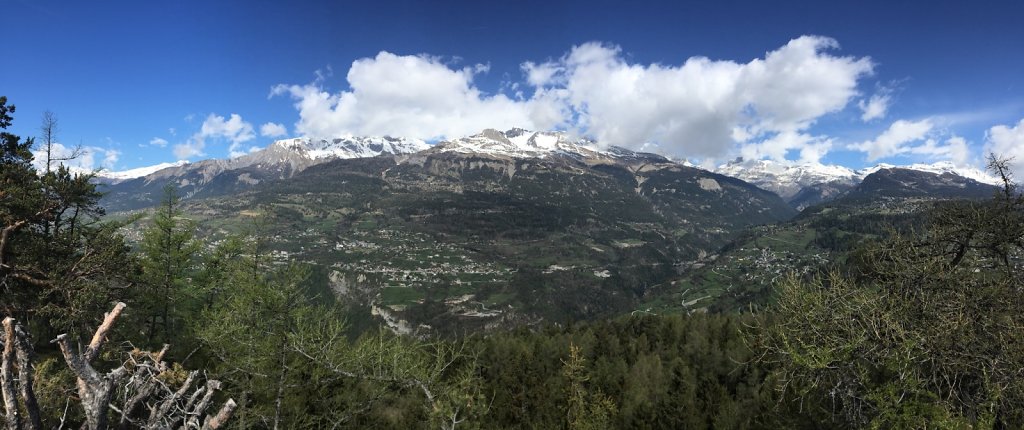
(110, 157)
(233, 129)
(271, 129)
(1007, 141)
(955, 149)
(78, 159)
(810, 148)
(704, 107)
(701, 108)
(540, 75)
(876, 106)
(414, 96)
(189, 149)
(894, 140)
(156, 141)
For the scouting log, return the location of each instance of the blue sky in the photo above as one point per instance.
(855, 83)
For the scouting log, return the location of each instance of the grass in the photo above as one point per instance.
(400, 296)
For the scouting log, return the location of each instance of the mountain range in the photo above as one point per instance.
(803, 185)
(799, 184)
(491, 230)
(504, 228)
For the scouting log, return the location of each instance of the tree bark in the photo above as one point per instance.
(26, 377)
(280, 387)
(11, 418)
(222, 417)
(94, 389)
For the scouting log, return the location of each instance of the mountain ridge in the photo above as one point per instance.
(799, 184)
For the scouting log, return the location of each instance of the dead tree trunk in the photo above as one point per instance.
(168, 409)
(11, 419)
(94, 388)
(18, 349)
(26, 376)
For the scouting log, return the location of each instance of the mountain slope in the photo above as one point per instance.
(889, 183)
(806, 184)
(787, 180)
(282, 159)
(449, 241)
(819, 239)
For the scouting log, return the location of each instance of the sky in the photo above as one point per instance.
(850, 83)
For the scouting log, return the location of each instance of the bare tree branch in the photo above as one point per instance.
(93, 350)
(222, 416)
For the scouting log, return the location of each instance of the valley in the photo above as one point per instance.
(505, 229)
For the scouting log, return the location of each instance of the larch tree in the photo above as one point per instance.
(168, 266)
(927, 331)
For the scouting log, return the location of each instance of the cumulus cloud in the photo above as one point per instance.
(540, 75)
(110, 157)
(876, 106)
(704, 107)
(894, 140)
(810, 148)
(216, 127)
(78, 159)
(414, 96)
(233, 129)
(271, 129)
(156, 141)
(700, 108)
(1007, 141)
(954, 149)
(189, 149)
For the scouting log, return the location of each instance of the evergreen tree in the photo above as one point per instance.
(927, 334)
(60, 266)
(587, 409)
(288, 357)
(168, 266)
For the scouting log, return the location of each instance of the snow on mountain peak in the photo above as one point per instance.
(788, 178)
(940, 167)
(138, 172)
(352, 146)
(521, 143)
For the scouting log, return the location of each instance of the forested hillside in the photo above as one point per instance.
(918, 327)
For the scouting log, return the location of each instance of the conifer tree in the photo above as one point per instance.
(927, 334)
(60, 266)
(168, 266)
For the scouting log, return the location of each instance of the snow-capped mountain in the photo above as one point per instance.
(279, 160)
(114, 177)
(940, 167)
(518, 143)
(351, 146)
(788, 179)
(800, 185)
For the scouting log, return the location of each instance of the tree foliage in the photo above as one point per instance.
(168, 260)
(288, 354)
(927, 334)
(60, 266)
